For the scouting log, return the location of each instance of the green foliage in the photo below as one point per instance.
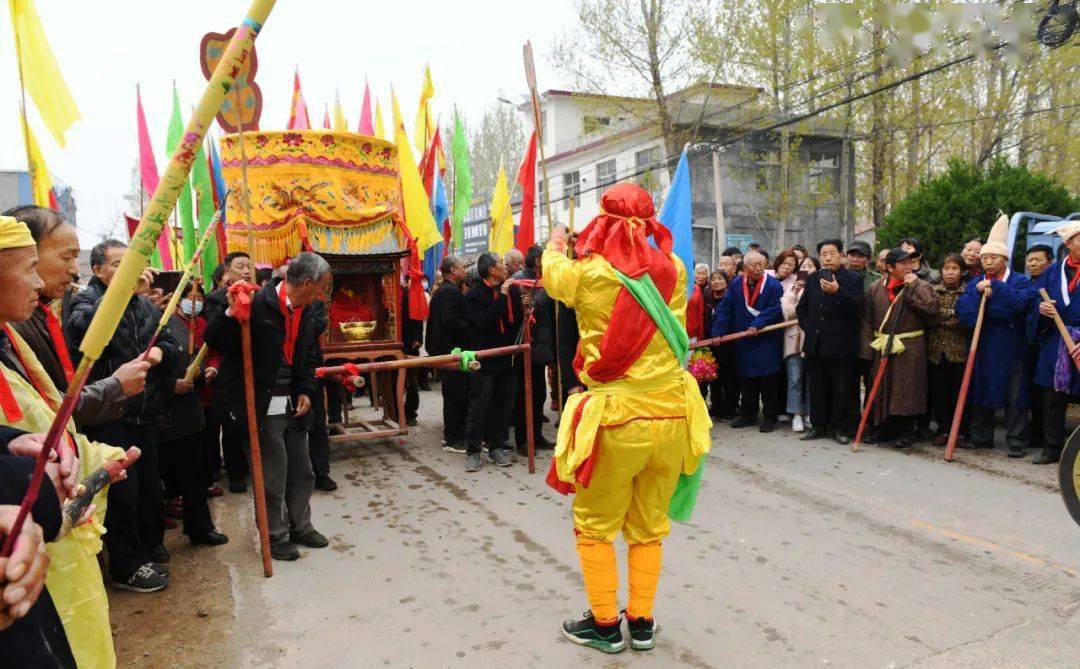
(963, 202)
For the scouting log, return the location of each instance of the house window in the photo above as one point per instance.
(540, 200)
(571, 187)
(767, 172)
(605, 176)
(591, 124)
(822, 173)
(644, 164)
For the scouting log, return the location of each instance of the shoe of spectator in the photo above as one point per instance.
(501, 456)
(169, 523)
(903, 441)
(767, 425)
(162, 569)
(325, 483)
(335, 428)
(159, 554)
(940, 440)
(1046, 457)
(214, 491)
(283, 550)
(544, 445)
(310, 538)
(725, 417)
(237, 486)
(742, 421)
(813, 434)
(1016, 451)
(797, 424)
(454, 447)
(144, 579)
(783, 418)
(411, 422)
(841, 438)
(473, 462)
(209, 538)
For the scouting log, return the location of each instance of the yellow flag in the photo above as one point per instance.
(425, 129)
(41, 74)
(380, 132)
(339, 114)
(501, 237)
(418, 218)
(40, 181)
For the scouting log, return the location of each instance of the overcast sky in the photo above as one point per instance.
(105, 47)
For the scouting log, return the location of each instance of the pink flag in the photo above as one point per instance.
(298, 114)
(149, 175)
(326, 116)
(366, 128)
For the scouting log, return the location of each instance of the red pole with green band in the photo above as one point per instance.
(144, 241)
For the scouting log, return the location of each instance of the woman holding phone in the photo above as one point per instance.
(793, 338)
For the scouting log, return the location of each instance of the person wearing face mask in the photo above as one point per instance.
(183, 420)
(751, 303)
(1000, 376)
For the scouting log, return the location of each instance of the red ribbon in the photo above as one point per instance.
(56, 333)
(241, 306)
(751, 299)
(1075, 267)
(292, 324)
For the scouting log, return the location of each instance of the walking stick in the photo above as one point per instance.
(735, 336)
(882, 364)
(1062, 330)
(969, 366)
(418, 361)
(526, 377)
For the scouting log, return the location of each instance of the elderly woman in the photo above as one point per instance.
(724, 389)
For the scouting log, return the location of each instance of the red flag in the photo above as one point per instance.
(326, 117)
(148, 174)
(366, 128)
(132, 223)
(429, 164)
(298, 113)
(526, 233)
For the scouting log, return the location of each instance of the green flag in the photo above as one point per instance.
(204, 199)
(183, 204)
(459, 148)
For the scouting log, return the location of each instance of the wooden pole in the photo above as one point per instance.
(244, 176)
(958, 413)
(526, 376)
(419, 361)
(258, 489)
(880, 375)
(1062, 330)
(735, 336)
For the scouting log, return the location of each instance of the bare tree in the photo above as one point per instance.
(498, 139)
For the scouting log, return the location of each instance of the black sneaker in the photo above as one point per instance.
(145, 579)
(585, 632)
(455, 447)
(502, 457)
(311, 539)
(767, 425)
(325, 483)
(743, 421)
(160, 568)
(642, 631)
(283, 550)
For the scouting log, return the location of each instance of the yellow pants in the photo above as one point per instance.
(637, 468)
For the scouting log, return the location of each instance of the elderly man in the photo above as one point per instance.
(829, 313)
(1059, 379)
(752, 302)
(515, 261)
(1000, 376)
(284, 365)
(1038, 260)
(446, 331)
(971, 254)
(28, 397)
(902, 395)
(858, 261)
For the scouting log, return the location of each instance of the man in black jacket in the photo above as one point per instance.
(135, 518)
(446, 331)
(237, 267)
(829, 313)
(543, 313)
(283, 361)
(494, 318)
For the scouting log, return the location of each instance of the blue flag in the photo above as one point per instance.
(440, 208)
(676, 216)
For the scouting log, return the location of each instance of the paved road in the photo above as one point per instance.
(800, 555)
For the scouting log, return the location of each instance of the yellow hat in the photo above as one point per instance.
(13, 234)
(997, 242)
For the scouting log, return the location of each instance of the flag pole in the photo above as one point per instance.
(31, 169)
(243, 175)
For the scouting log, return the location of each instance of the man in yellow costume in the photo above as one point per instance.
(28, 400)
(631, 445)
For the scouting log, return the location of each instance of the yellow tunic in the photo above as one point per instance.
(74, 578)
(649, 426)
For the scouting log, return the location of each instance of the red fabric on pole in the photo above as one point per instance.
(526, 177)
(366, 127)
(148, 174)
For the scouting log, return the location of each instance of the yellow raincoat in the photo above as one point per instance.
(649, 426)
(74, 578)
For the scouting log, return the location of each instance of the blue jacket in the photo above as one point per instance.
(1003, 342)
(1043, 332)
(754, 356)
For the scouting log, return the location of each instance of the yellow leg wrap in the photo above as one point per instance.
(601, 578)
(645, 560)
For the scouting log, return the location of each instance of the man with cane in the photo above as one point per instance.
(1054, 370)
